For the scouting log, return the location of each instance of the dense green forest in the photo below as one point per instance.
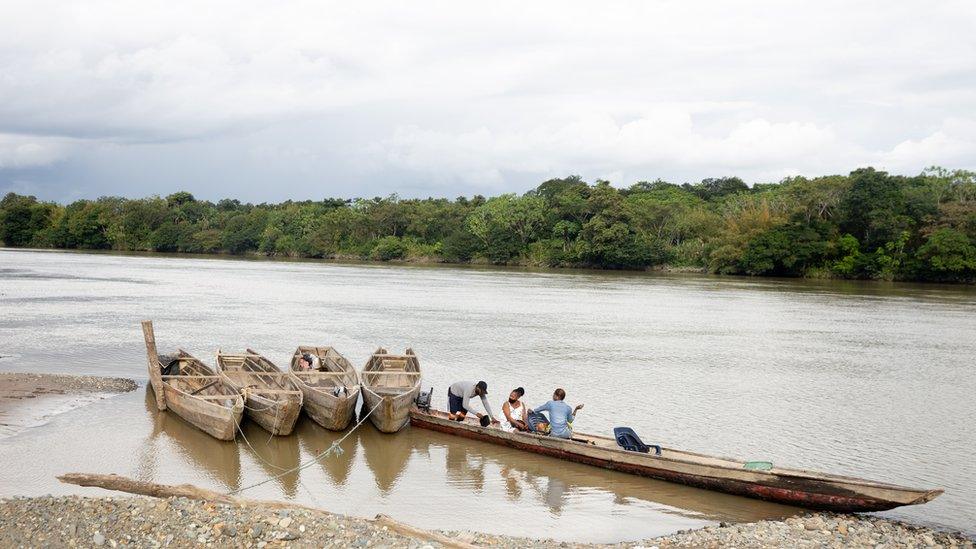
(867, 224)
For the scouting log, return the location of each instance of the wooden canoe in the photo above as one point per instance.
(321, 402)
(271, 398)
(191, 390)
(789, 486)
(390, 384)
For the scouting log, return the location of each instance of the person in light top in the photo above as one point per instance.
(515, 411)
(560, 415)
(459, 401)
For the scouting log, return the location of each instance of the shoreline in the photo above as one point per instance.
(138, 521)
(662, 270)
(30, 400)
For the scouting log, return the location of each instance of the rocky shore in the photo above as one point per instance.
(73, 521)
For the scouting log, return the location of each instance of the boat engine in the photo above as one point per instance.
(423, 399)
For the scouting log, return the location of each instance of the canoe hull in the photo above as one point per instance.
(807, 493)
(217, 421)
(333, 413)
(278, 418)
(393, 413)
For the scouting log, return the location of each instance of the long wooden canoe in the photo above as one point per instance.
(271, 398)
(192, 390)
(331, 391)
(390, 384)
(790, 486)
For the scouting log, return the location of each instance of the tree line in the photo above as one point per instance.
(868, 224)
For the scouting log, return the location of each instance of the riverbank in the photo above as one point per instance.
(75, 521)
(29, 400)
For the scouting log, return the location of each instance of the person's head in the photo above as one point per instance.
(481, 388)
(515, 395)
(305, 362)
(559, 394)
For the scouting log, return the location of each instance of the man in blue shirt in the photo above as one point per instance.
(560, 415)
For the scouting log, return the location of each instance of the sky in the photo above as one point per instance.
(269, 101)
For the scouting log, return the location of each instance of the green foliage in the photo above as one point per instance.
(948, 255)
(868, 224)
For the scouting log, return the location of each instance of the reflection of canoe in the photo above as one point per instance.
(390, 384)
(386, 457)
(315, 440)
(789, 486)
(273, 399)
(335, 375)
(274, 455)
(217, 459)
(193, 391)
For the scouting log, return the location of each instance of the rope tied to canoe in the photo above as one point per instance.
(334, 448)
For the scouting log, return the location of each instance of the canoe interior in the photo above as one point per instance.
(191, 377)
(255, 372)
(333, 369)
(392, 375)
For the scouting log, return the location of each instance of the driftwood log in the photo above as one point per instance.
(132, 486)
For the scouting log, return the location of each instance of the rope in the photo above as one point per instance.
(333, 448)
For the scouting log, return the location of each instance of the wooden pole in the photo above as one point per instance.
(155, 374)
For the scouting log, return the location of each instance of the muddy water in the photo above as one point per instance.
(874, 380)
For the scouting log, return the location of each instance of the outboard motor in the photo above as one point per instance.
(423, 399)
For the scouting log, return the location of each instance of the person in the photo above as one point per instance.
(560, 415)
(515, 412)
(306, 362)
(459, 400)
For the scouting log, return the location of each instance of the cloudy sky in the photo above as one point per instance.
(266, 101)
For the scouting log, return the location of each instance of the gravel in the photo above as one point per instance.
(73, 521)
(70, 384)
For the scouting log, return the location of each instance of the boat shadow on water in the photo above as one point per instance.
(219, 460)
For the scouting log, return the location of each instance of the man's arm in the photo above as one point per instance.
(547, 407)
(484, 402)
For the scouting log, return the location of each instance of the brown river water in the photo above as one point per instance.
(875, 380)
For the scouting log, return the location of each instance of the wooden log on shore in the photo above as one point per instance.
(132, 486)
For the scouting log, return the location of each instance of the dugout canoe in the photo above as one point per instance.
(190, 389)
(331, 390)
(271, 398)
(797, 487)
(390, 384)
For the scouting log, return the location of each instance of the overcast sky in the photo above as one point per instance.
(266, 101)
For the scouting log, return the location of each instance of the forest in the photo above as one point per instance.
(864, 225)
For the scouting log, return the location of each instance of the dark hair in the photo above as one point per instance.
(483, 386)
(520, 391)
(559, 394)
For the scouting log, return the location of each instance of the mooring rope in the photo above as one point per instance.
(333, 448)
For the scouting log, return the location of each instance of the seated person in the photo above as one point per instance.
(307, 362)
(515, 412)
(459, 401)
(560, 415)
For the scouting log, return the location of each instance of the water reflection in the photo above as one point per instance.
(219, 460)
(386, 455)
(276, 456)
(315, 439)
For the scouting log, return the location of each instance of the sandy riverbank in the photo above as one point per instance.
(74, 521)
(29, 400)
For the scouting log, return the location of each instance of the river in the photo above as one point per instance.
(871, 379)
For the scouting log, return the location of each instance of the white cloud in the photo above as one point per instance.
(481, 97)
(28, 151)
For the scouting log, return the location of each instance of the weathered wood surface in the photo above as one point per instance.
(789, 486)
(196, 394)
(131, 486)
(391, 393)
(152, 357)
(272, 399)
(334, 412)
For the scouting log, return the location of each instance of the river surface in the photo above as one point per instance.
(869, 379)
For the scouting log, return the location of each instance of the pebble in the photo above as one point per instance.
(144, 522)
